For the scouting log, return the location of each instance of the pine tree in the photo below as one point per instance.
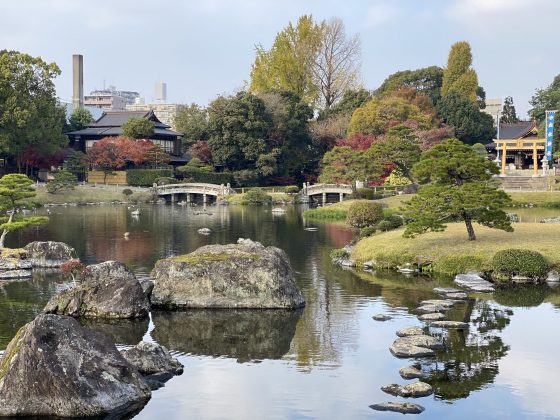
(509, 115)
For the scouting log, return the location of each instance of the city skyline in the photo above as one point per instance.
(204, 50)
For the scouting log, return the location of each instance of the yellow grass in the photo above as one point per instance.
(396, 201)
(536, 198)
(445, 248)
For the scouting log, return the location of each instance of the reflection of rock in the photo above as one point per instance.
(109, 290)
(242, 334)
(48, 254)
(55, 367)
(404, 408)
(242, 275)
(414, 390)
(120, 331)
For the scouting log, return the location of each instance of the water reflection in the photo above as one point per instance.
(120, 331)
(245, 335)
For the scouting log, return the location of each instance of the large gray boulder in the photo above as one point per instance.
(242, 275)
(56, 367)
(48, 254)
(109, 290)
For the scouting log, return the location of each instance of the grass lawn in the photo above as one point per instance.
(82, 194)
(338, 211)
(544, 198)
(450, 251)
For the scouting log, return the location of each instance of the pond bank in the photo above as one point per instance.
(91, 193)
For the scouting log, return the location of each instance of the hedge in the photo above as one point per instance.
(146, 177)
(521, 262)
(193, 174)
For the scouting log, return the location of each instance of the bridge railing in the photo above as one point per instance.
(194, 188)
(327, 188)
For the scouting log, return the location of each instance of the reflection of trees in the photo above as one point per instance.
(120, 331)
(470, 358)
(242, 334)
(523, 296)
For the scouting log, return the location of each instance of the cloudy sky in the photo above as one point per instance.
(205, 48)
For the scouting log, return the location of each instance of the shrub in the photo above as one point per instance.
(363, 194)
(367, 231)
(146, 177)
(521, 262)
(363, 214)
(127, 192)
(394, 221)
(385, 226)
(192, 174)
(256, 196)
(291, 189)
(62, 180)
(337, 254)
(246, 178)
(165, 180)
(457, 264)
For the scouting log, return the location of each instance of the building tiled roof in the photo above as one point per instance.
(516, 130)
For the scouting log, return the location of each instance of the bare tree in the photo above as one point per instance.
(337, 66)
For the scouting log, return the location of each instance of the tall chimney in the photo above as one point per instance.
(78, 81)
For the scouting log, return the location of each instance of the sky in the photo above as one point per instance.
(205, 48)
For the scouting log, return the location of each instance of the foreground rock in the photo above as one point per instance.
(411, 372)
(404, 408)
(242, 275)
(56, 367)
(426, 341)
(414, 390)
(48, 254)
(153, 361)
(109, 290)
(408, 331)
(457, 325)
(474, 282)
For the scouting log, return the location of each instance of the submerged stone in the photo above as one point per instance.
(445, 290)
(382, 317)
(398, 407)
(450, 325)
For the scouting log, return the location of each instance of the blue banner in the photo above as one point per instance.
(549, 133)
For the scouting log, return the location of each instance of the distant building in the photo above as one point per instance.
(165, 112)
(110, 125)
(110, 99)
(160, 92)
(493, 108)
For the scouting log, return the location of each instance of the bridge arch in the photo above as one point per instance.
(324, 189)
(189, 189)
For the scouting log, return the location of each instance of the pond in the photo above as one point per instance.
(328, 360)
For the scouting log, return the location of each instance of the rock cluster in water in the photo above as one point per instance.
(242, 275)
(18, 263)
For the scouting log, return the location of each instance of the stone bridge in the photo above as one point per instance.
(188, 189)
(324, 189)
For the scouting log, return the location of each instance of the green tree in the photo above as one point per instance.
(398, 151)
(63, 180)
(351, 100)
(77, 164)
(459, 76)
(509, 115)
(192, 122)
(343, 165)
(459, 188)
(138, 128)
(471, 124)
(79, 119)
(289, 65)
(238, 127)
(426, 80)
(378, 115)
(15, 191)
(544, 100)
(30, 116)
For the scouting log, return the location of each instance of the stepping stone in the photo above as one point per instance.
(457, 295)
(448, 303)
(474, 282)
(426, 341)
(404, 408)
(445, 290)
(457, 325)
(407, 350)
(414, 390)
(382, 317)
(432, 317)
(408, 331)
(428, 309)
(410, 372)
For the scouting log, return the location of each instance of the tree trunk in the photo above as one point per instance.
(470, 229)
(5, 232)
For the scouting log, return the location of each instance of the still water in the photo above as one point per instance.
(328, 360)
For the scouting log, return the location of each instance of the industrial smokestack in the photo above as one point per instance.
(78, 81)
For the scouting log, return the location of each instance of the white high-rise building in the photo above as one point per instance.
(160, 92)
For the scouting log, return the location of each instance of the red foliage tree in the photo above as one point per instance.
(358, 141)
(110, 153)
(201, 151)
